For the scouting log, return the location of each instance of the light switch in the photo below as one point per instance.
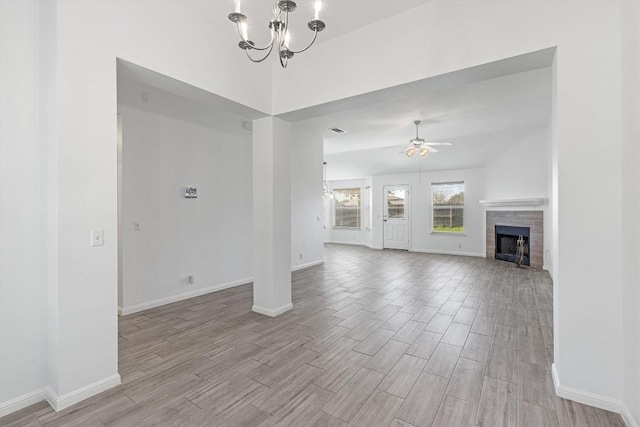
(97, 237)
(137, 224)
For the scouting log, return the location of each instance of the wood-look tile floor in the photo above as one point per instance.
(376, 338)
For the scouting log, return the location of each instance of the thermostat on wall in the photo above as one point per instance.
(190, 193)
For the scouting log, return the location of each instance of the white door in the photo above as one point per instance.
(396, 216)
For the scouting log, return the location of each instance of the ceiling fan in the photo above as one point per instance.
(419, 146)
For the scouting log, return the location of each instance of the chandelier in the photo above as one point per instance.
(326, 192)
(279, 29)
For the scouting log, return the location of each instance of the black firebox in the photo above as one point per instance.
(506, 243)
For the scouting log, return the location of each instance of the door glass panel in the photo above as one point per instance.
(395, 204)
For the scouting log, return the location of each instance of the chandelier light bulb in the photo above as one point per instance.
(411, 151)
(424, 151)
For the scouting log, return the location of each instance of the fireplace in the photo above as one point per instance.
(520, 221)
(507, 243)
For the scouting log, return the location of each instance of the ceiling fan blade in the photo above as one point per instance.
(395, 146)
(436, 143)
(431, 149)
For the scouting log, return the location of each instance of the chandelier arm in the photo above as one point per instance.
(315, 34)
(269, 46)
(263, 58)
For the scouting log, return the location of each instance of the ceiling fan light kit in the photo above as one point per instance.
(279, 29)
(419, 146)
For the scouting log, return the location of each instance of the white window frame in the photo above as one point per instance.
(433, 208)
(333, 209)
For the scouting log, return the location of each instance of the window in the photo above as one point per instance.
(448, 207)
(346, 208)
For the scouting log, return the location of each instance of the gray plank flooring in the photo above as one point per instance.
(375, 338)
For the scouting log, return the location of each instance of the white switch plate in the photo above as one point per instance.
(137, 224)
(97, 237)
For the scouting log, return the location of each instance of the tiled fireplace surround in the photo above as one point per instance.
(531, 219)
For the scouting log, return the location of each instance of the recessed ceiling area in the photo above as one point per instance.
(481, 119)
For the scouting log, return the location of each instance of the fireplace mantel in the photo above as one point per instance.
(515, 202)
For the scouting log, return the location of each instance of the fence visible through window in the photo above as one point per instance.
(448, 207)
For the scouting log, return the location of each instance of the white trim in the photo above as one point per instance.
(346, 243)
(59, 403)
(378, 248)
(307, 265)
(429, 251)
(21, 402)
(123, 311)
(515, 202)
(272, 313)
(591, 399)
(627, 417)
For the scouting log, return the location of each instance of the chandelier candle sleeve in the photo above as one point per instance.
(318, 7)
(237, 6)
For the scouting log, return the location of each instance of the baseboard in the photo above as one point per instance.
(430, 251)
(272, 313)
(378, 248)
(22, 402)
(333, 242)
(123, 311)
(307, 265)
(591, 399)
(58, 403)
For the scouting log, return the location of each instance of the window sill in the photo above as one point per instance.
(346, 228)
(445, 233)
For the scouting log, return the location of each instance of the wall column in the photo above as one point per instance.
(271, 216)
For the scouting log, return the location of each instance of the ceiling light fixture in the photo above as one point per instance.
(279, 29)
(416, 144)
(326, 193)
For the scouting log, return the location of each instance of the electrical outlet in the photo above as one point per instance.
(137, 225)
(192, 279)
(459, 245)
(300, 255)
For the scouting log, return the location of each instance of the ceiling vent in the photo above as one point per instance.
(337, 130)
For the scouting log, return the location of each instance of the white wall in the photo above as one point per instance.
(631, 205)
(421, 237)
(209, 237)
(23, 261)
(524, 171)
(306, 200)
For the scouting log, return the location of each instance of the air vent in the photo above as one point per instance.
(337, 130)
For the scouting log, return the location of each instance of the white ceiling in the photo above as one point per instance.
(340, 16)
(481, 111)
(480, 119)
